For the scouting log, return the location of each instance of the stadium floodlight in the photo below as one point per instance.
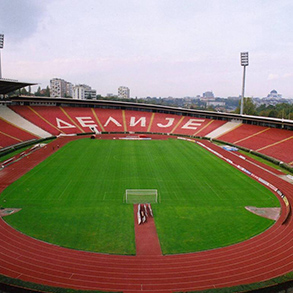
(244, 58)
(1, 47)
(244, 63)
(1, 41)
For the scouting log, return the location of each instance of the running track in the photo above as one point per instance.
(263, 257)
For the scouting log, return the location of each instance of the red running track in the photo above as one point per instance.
(146, 238)
(263, 257)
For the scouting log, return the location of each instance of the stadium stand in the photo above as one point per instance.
(269, 141)
(188, 125)
(224, 129)
(12, 117)
(163, 123)
(10, 134)
(81, 119)
(15, 130)
(208, 126)
(45, 117)
(137, 121)
(7, 140)
(281, 150)
(45, 121)
(272, 136)
(110, 119)
(241, 133)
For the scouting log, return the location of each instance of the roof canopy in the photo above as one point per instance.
(8, 86)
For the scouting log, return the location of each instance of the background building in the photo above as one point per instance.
(69, 89)
(274, 95)
(123, 92)
(208, 95)
(83, 92)
(215, 103)
(60, 88)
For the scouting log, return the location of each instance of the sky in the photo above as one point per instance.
(157, 48)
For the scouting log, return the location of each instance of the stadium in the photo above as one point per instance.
(79, 178)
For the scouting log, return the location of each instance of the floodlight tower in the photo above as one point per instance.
(244, 63)
(1, 47)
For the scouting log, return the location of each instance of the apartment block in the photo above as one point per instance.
(83, 92)
(123, 92)
(60, 88)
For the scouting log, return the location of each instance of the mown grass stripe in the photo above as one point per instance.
(75, 197)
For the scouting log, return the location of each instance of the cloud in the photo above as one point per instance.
(288, 75)
(273, 76)
(156, 47)
(19, 19)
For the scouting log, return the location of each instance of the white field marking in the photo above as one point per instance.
(255, 164)
(64, 189)
(213, 190)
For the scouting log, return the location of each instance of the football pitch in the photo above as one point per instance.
(75, 197)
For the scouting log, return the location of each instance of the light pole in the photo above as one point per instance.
(1, 47)
(244, 63)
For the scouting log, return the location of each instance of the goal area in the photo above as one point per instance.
(135, 196)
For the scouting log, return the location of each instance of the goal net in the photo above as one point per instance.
(134, 196)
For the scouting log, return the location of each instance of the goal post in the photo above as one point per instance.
(135, 196)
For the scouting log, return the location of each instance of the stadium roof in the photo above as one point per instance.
(8, 86)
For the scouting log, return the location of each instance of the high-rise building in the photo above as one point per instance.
(123, 92)
(83, 91)
(60, 88)
(69, 89)
(208, 95)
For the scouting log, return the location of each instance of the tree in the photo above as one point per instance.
(210, 108)
(273, 113)
(24, 92)
(47, 91)
(38, 92)
(249, 107)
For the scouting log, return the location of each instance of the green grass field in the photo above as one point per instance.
(75, 197)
